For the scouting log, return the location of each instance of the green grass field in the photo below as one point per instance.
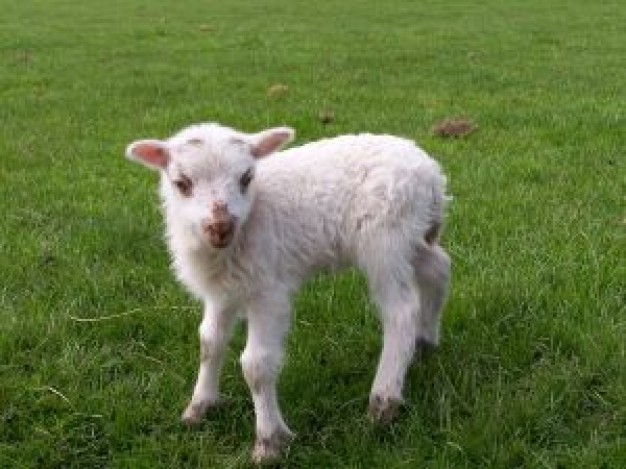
(98, 347)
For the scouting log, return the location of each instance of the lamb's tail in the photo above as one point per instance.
(438, 205)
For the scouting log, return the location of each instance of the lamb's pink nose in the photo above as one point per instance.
(219, 206)
(220, 232)
(221, 228)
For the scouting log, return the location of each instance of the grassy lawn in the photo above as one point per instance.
(98, 346)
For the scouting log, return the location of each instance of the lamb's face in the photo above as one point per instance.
(207, 176)
(209, 183)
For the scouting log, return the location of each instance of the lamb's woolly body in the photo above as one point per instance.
(322, 205)
(374, 202)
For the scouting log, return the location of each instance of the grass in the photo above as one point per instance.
(532, 369)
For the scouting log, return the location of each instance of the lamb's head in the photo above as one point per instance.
(207, 176)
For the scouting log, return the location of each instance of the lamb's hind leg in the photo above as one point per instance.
(398, 300)
(432, 271)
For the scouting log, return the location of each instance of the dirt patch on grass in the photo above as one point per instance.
(454, 128)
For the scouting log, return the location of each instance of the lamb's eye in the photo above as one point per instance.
(184, 186)
(245, 179)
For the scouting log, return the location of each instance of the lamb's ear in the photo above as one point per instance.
(152, 153)
(270, 140)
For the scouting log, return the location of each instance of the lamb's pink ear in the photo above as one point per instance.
(152, 153)
(270, 140)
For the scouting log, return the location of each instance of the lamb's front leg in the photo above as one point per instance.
(215, 331)
(261, 361)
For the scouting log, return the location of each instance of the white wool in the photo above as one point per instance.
(319, 205)
(371, 201)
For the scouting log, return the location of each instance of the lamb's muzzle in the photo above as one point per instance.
(220, 228)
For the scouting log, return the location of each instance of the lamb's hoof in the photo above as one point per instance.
(424, 348)
(195, 412)
(270, 450)
(384, 410)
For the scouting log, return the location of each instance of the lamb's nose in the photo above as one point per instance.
(217, 226)
(219, 206)
(220, 230)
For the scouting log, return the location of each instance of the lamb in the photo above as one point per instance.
(247, 223)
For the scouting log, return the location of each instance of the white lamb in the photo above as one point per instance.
(247, 224)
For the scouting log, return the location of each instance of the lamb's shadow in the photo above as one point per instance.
(332, 397)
